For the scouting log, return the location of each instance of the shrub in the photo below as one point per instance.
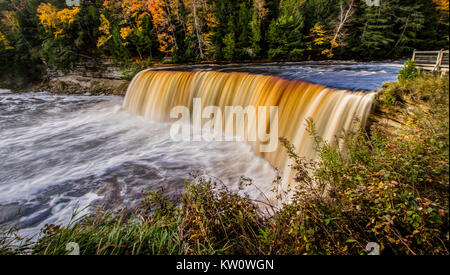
(409, 71)
(218, 221)
(389, 188)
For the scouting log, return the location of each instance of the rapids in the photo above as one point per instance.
(59, 153)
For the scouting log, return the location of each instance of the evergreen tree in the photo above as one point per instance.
(225, 12)
(377, 31)
(20, 63)
(192, 30)
(244, 31)
(409, 20)
(255, 39)
(229, 42)
(285, 36)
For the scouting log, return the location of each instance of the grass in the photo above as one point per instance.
(388, 185)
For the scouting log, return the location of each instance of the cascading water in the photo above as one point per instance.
(153, 94)
(60, 153)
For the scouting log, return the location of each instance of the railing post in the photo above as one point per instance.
(414, 55)
(438, 61)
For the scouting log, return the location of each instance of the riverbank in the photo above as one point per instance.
(99, 76)
(387, 185)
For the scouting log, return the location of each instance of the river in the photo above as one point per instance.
(60, 153)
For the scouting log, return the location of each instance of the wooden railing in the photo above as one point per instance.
(434, 61)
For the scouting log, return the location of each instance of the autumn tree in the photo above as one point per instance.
(200, 23)
(20, 62)
(345, 14)
(321, 42)
(164, 14)
(54, 20)
(127, 29)
(60, 32)
(443, 7)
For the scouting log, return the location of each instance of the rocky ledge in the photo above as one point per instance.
(76, 84)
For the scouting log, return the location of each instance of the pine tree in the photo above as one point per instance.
(225, 13)
(409, 21)
(377, 31)
(243, 29)
(285, 36)
(229, 42)
(255, 39)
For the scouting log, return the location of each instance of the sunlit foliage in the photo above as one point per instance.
(55, 20)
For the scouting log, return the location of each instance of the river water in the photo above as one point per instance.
(62, 153)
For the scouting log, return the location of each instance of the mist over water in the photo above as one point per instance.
(59, 153)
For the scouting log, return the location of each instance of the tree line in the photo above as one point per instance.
(36, 34)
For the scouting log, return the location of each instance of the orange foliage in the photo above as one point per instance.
(441, 5)
(162, 12)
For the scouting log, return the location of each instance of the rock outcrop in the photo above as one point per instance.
(93, 76)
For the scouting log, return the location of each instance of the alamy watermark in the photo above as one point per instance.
(250, 123)
(73, 3)
(373, 248)
(372, 3)
(73, 248)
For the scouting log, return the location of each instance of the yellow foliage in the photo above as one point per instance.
(102, 40)
(201, 22)
(334, 44)
(319, 35)
(56, 21)
(441, 5)
(9, 20)
(260, 8)
(125, 32)
(328, 53)
(130, 14)
(105, 28)
(4, 43)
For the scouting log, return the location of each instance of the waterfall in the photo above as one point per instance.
(153, 94)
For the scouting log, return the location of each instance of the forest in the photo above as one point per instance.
(35, 35)
(366, 171)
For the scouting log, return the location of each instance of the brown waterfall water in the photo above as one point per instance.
(153, 94)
